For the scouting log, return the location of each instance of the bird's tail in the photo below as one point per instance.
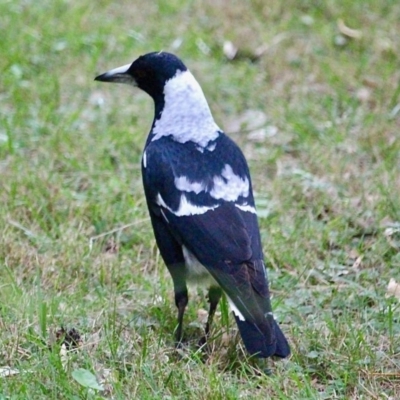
(258, 342)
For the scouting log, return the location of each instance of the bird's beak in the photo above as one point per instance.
(118, 75)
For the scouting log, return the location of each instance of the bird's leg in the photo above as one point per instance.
(214, 295)
(181, 301)
(177, 271)
(263, 365)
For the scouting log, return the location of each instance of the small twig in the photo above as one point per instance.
(121, 228)
(391, 375)
(22, 228)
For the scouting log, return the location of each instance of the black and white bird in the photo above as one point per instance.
(199, 195)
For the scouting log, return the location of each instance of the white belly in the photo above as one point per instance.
(197, 274)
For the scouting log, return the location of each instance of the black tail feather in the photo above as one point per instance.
(282, 345)
(259, 344)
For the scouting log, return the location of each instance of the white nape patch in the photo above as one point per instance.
(186, 115)
(185, 207)
(182, 183)
(246, 207)
(229, 186)
(235, 310)
(144, 159)
(196, 273)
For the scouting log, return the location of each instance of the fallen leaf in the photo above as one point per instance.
(7, 371)
(202, 315)
(313, 354)
(393, 288)
(229, 50)
(307, 20)
(363, 94)
(340, 40)
(357, 262)
(392, 234)
(346, 31)
(86, 379)
(64, 356)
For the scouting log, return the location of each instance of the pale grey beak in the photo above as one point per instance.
(117, 75)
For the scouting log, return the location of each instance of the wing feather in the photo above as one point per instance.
(222, 236)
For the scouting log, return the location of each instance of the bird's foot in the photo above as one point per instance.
(202, 342)
(262, 365)
(179, 344)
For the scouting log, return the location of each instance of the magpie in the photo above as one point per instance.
(200, 200)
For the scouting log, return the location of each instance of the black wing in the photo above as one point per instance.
(202, 199)
(220, 230)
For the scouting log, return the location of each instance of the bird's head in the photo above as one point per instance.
(181, 110)
(149, 72)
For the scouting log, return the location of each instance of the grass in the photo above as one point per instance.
(325, 170)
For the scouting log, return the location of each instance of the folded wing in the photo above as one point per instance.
(212, 214)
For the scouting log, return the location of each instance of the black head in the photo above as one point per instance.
(149, 72)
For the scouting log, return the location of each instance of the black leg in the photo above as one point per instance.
(181, 300)
(214, 295)
(177, 271)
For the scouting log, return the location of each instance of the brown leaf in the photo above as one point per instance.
(202, 316)
(357, 262)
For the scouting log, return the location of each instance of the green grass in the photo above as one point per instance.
(326, 177)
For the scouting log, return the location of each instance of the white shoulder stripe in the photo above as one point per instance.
(246, 207)
(185, 207)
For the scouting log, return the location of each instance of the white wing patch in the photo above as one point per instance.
(186, 115)
(144, 159)
(182, 183)
(246, 207)
(229, 186)
(185, 207)
(234, 309)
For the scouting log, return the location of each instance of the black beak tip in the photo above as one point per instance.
(100, 78)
